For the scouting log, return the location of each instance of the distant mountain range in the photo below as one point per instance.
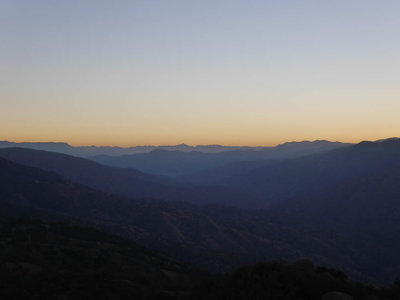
(120, 181)
(362, 197)
(338, 208)
(248, 183)
(127, 181)
(87, 151)
(310, 175)
(179, 163)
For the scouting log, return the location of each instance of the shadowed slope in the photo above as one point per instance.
(120, 181)
(211, 237)
(58, 261)
(312, 174)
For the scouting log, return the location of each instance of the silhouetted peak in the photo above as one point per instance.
(62, 144)
(308, 143)
(366, 144)
(389, 140)
(384, 142)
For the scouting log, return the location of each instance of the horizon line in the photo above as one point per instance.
(190, 145)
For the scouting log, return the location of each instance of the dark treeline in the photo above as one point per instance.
(59, 261)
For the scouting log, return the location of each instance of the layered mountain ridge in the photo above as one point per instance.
(338, 208)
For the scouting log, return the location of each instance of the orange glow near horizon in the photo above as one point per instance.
(91, 141)
(230, 73)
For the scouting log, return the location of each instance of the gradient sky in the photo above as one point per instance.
(201, 72)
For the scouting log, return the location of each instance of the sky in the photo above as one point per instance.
(228, 72)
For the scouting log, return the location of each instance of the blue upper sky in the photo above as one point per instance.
(228, 72)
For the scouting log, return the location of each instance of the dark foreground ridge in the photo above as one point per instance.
(58, 261)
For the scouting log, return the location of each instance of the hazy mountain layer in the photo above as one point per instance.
(86, 151)
(249, 184)
(179, 163)
(121, 181)
(212, 237)
(366, 204)
(310, 175)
